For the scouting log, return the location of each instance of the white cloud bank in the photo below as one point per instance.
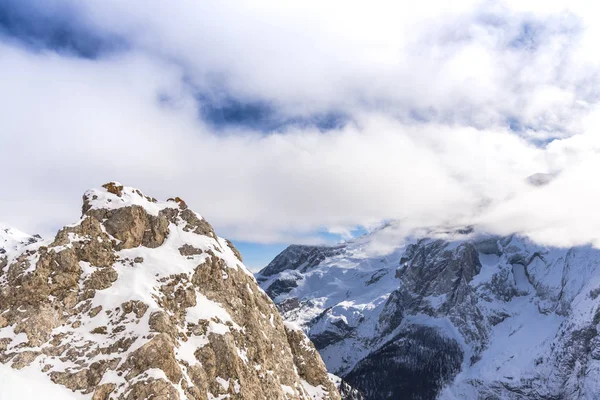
(431, 90)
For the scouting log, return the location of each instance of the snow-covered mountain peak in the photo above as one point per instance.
(114, 195)
(140, 298)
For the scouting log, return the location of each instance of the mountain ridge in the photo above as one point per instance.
(450, 314)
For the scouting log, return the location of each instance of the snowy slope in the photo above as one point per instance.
(454, 314)
(31, 384)
(12, 240)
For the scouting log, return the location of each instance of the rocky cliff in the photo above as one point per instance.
(141, 299)
(448, 315)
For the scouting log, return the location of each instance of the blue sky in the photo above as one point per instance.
(284, 123)
(257, 256)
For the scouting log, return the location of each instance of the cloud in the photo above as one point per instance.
(53, 25)
(278, 121)
(473, 62)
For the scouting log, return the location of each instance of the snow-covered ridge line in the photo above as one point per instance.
(114, 195)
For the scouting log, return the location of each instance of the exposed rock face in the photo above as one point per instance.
(452, 315)
(141, 299)
(346, 390)
(306, 358)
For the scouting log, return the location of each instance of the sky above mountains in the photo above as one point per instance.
(306, 122)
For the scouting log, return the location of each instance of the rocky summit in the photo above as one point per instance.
(447, 314)
(140, 299)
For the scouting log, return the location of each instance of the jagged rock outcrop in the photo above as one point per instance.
(449, 315)
(141, 299)
(346, 390)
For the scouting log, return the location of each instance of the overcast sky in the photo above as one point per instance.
(306, 121)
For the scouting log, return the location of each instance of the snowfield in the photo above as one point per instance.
(30, 384)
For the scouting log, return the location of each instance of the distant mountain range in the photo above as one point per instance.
(447, 315)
